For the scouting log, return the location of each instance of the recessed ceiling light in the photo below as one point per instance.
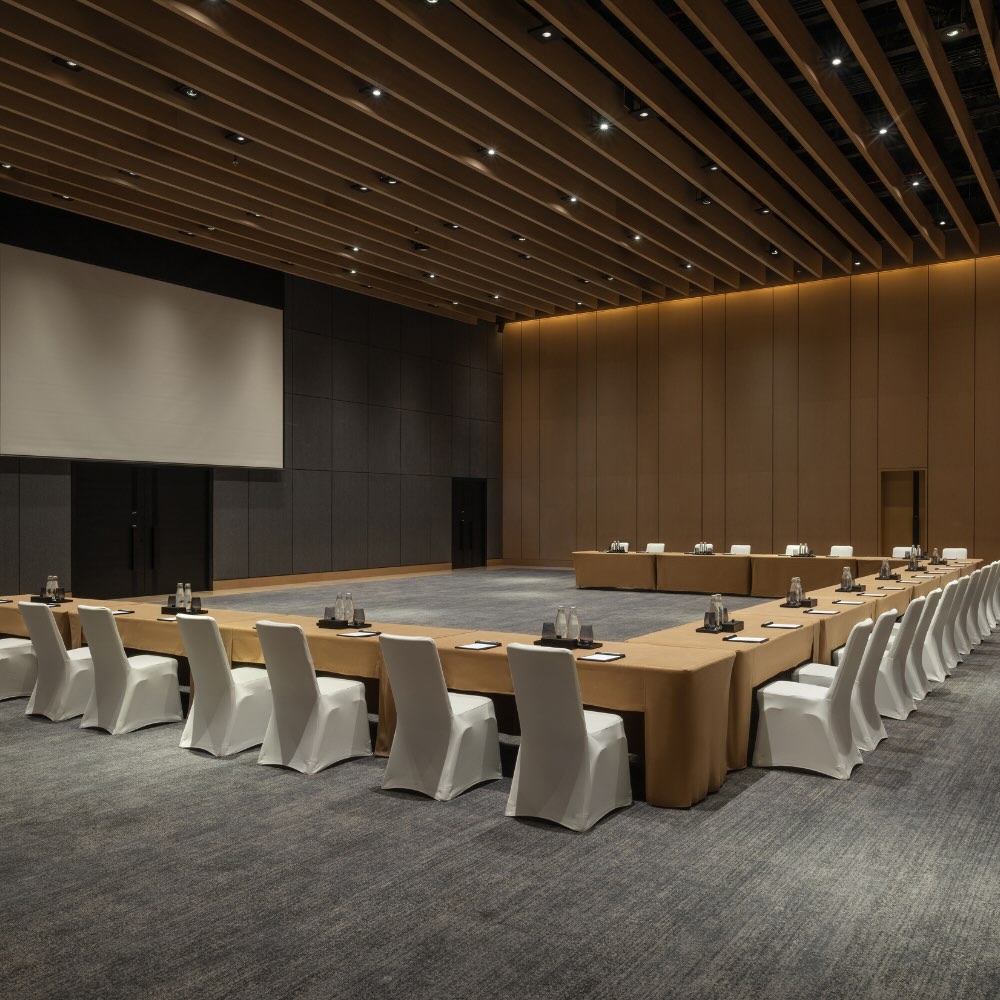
(688, 266)
(495, 295)
(857, 263)
(454, 302)
(487, 151)
(352, 270)
(451, 225)
(711, 166)
(361, 187)
(545, 33)
(954, 30)
(915, 184)
(189, 92)
(703, 198)
(883, 131)
(67, 63)
(773, 251)
(373, 90)
(420, 247)
(635, 237)
(7, 166)
(603, 126)
(764, 210)
(353, 249)
(518, 237)
(579, 303)
(836, 61)
(429, 274)
(209, 229)
(366, 286)
(62, 197)
(386, 179)
(525, 256)
(237, 137)
(571, 198)
(608, 277)
(254, 215)
(942, 222)
(128, 173)
(584, 281)
(185, 232)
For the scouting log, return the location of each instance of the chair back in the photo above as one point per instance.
(871, 659)
(954, 553)
(547, 692)
(842, 551)
(50, 650)
(792, 550)
(213, 678)
(942, 628)
(417, 681)
(901, 552)
(839, 692)
(108, 655)
(291, 674)
(915, 660)
(900, 649)
(740, 550)
(958, 614)
(974, 625)
(656, 547)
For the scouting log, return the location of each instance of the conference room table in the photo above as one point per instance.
(687, 573)
(771, 575)
(622, 570)
(12, 622)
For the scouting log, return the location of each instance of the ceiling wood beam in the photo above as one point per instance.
(854, 26)
(928, 42)
(781, 20)
(984, 12)
(718, 25)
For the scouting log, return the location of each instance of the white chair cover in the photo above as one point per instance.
(18, 668)
(792, 550)
(316, 721)
(892, 696)
(572, 767)
(972, 629)
(740, 550)
(809, 725)
(984, 621)
(963, 641)
(920, 657)
(842, 551)
(129, 691)
(444, 743)
(901, 552)
(939, 651)
(954, 553)
(65, 679)
(656, 547)
(230, 708)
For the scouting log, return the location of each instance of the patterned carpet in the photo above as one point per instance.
(131, 868)
(505, 600)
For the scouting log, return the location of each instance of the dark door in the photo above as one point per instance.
(468, 531)
(138, 530)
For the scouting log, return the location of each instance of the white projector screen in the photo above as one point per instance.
(99, 364)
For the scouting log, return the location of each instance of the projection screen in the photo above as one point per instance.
(99, 364)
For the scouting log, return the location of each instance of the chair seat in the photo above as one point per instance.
(597, 722)
(250, 677)
(15, 645)
(821, 674)
(149, 663)
(793, 691)
(338, 685)
(462, 703)
(81, 654)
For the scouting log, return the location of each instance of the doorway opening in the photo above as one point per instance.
(468, 523)
(903, 505)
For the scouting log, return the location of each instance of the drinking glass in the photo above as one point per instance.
(587, 635)
(359, 616)
(548, 630)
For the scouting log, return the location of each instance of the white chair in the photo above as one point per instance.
(740, 550)
(65, 678)
(963, 642)
(792, 550)
(939, 656)
(866, 723)
(972, 626)
(993, 600)
(572, 767)
(809, 725)
(841, 551)
(901, 552)
(18, 668)
(892, 696)
(984, 612)
(954, 553)
(129, 691)
(444, 742)
(316, 720)
(656, 547)
(919, 660)
(952, 639)
(231, 708)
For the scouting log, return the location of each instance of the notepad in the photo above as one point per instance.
(479, 644)
(123, 611)
(753, 640)
(167, 618)
(820, 611)
(871, 595)
(923, 576)
(892, 588)
(785, 625)
(5, 600)
(358, 634)
(851, 602)
(602, 657)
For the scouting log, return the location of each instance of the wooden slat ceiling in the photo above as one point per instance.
(644, 149)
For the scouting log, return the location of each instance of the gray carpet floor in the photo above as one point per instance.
(506, 600)
(130, 868)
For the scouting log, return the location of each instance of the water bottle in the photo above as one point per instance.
(187, 596)
(936, 557)
(179, 598)
(349, 607)
(847, 579)
(55, 585)
(884, 573)
(717, 609)
(795, 592)
(573, 625)
(48, 586)
(561, 623)
(711, 621)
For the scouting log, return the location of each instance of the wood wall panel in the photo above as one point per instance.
(748, 410)
(902, 369)
(951, 410)
(512, 442)
(530, 457)
(785, 418)
(616, 426)
(586, 432)
(864, 413)
(680, 365)
(824, 417)
(557, 439)
(713, 421)
(647, 425)
(767, 415)
(986, 541)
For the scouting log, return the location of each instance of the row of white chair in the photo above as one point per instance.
(829, 713)
(572, 766)
(836, 551)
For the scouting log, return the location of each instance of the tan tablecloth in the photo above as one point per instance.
(682, 693)
(771, 575)
(628, 571)
(870, 565)
(754, 665)
(11, 622)
(831, 631)
(684, 573)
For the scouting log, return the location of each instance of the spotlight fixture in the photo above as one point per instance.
(883, 131)
(603, 126)
(366, 286)
(915, 183)
(253, 215)
(641, 111)
(518, 237)
(429, 274)
(67, 64)
(360, 187)
(189, 92)
(185, 232)
(712, 167)
(836, 61)
(237, 137)
(6, 166)
(773, 250)
(352, 270)
(703, 198)
(571, 198)
(954, 30)
(420, 247)
(942, 222)
(487, 151)
(764, 210)
(579, 303)
(372, 91)
(496, 295)
(545, 33)
(688, 266)
(62, 197)
(128, 173)
(857, 263)
(208, 229)
(634, 237)
(525, 256)
(608, 277)
(451, 225)
(584, 281)
(454, 302)
(386, 179)
(353, 249)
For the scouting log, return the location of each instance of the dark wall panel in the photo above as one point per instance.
(311, 426)
(383, 520)
(415, 516)
(231, 524)
(45, 520)
(349, 516)
(10, 520)
(270, 535)
(311, 521)
(349, 436)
